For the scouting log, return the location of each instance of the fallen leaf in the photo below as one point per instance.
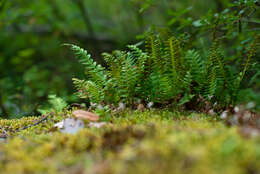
(85, 115)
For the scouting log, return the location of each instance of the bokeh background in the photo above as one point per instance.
(33, 62)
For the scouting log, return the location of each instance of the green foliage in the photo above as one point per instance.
(120, 82)
(162, 74)
(33, 65)
(56, 105)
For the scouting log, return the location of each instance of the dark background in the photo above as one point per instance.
(33, 62)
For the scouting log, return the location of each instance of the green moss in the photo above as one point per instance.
(149, 142)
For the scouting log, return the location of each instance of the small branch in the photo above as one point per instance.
(38, 122)
(5, 134)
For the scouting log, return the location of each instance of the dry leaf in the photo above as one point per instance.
(85, 115)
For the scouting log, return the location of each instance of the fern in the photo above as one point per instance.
(90, 90)
(188, 81)
(129, 78)
(173, 50)
(251, 53)
(176, 73)
(94, 72)
(124, 75)
(161, 74)
(93, 88)
(158, 88)
(196, 66)
(238, 79)
(140, 56)
(153, 48)
(56, 105)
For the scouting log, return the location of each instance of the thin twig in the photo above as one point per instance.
(5, 134)
(34, 124)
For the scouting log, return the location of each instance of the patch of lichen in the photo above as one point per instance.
(135, 142)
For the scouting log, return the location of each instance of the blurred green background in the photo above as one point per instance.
(33, 62)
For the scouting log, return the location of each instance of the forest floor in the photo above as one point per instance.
(131, 143)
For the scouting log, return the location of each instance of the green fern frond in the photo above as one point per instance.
(94, 72)
(139, 55)
(238, 78)
(159, 87)
(90, 90)
(128, 79)
(153, 48)
(212, 85)
(216, 60)
(187, 80)
(196, 65)
(251, 53)
(173, 51)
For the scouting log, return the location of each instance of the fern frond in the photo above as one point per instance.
(216, 61)
(94, 72)
(173, 51)
(238, 79)
(196, 65)
(90, 90)
(187, 80)
(212, 85)
(159, 88)
(128, 79)
(139, 55)
(251, 52)
(153, 48)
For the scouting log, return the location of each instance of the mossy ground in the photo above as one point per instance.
(134, 142)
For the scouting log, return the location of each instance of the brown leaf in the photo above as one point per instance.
(85, 115)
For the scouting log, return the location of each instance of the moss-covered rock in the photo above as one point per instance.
(134, 142)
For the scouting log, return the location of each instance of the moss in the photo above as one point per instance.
(149, 142)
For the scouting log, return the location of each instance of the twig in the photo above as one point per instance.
(5, 134)
(38, 122)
